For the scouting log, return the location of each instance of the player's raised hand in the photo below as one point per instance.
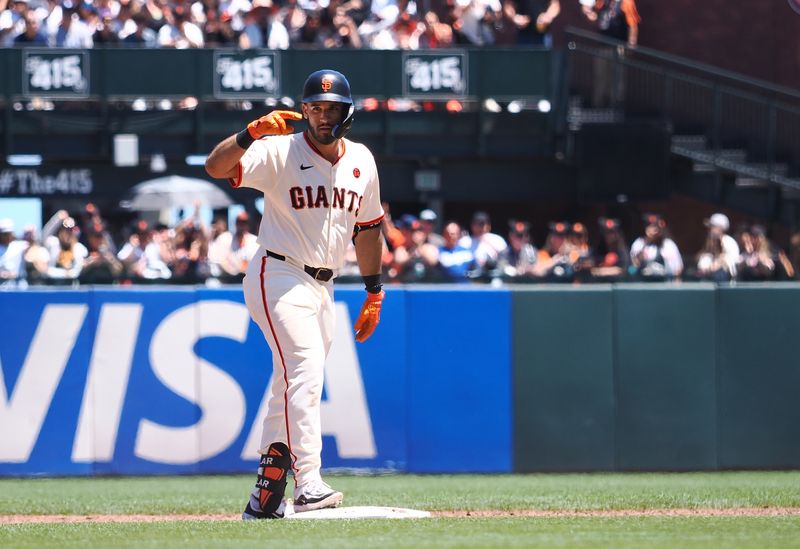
(273, 123)
(369, 317)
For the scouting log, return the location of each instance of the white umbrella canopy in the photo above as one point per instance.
(175, 191)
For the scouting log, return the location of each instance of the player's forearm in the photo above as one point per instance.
(223, 161)
(369, 245)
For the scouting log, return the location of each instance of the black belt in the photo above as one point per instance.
(317, 273)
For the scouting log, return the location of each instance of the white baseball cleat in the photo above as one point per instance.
(253, 510)
(315, 495)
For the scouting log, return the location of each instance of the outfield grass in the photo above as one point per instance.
(672, 533)
(226, 494)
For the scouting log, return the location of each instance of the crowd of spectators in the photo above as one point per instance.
(414, 253)
(81, 249)
(276, 24)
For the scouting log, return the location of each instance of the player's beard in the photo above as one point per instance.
(322, 138)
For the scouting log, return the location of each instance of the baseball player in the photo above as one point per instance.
(320, 190)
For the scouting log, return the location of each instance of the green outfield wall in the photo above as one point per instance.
(656, 377)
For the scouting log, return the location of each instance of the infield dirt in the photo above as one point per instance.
(536, 513)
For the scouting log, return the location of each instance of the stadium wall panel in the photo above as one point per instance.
(563, 379)
(759, 376)
(665, 356)
(479, 379)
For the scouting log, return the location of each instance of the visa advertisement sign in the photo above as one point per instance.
(163, 381)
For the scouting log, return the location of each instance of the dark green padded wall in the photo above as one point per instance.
(665, 356)
(563, 379)
(759, 376)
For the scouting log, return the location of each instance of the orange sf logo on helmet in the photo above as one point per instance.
(327, 83)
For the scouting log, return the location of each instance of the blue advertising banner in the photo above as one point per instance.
(164, 381)
(460, 417)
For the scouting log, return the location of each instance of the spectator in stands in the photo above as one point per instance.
(12, 267)
(531, 20)
(13, 22)
(51, 15)
(434, 33)
(294, 19)
(217, 31)
(314, 32)
(475, 20)
(760, 259)
(719, 257)
(88, 14)
(556, 260)
(104, 35)
(262, 29)
(618, 19)
(415, 260)
(393, 239)
(382, 15)
(109, 8)
(218, 246)
(191, 264)
(518, 259)
(404, 34)
(164, 238)
(581, 253)
(655, 256)
(455, 261)
(485, 245)
(33, 35)
(784, 270)
(73, 31)
(427, 221)
(345, 31)
(36, 258)
(234, 10)
(91, 219)
(179, 32)
(229, 254)
(66, 253)
(142, 35)
(101, 265)
(141, 255)
(155, 11)
(612, 261)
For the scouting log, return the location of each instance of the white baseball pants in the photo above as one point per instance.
(296, 315)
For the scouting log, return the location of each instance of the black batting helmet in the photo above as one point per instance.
(331, 85)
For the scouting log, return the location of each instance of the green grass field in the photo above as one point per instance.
(226, 494)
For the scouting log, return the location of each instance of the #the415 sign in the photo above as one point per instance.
(58, 74)
(246, 75)
(433, 75)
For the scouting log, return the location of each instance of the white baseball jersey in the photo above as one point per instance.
(310, 205)
(310, 210)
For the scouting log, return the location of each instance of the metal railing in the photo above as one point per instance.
(720, 119)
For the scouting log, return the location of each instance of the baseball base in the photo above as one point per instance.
(358, 512)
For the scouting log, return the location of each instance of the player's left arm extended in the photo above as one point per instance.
(369, 246)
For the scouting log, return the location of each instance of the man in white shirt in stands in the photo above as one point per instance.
(486, 246)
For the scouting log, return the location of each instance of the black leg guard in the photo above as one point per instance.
(271, 482)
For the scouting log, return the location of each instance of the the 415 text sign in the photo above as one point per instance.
(435, 74)
(246, 75)
(62, 74)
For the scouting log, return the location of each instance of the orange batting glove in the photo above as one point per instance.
(369, 317)
(273, 124)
